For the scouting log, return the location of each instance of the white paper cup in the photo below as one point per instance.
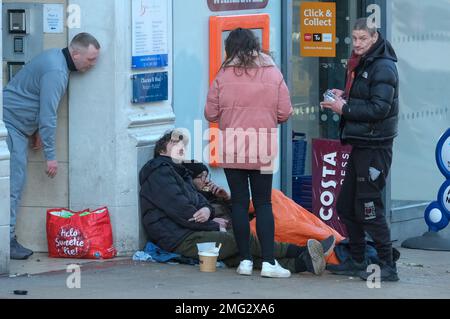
(207, 261)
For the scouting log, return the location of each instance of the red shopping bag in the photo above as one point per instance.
(81, 235)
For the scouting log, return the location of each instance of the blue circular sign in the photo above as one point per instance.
(444, 197)
(435, 217)
(443, 154)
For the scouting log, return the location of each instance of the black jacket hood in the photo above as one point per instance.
(382, 49)
(157, 162)
(370, 117)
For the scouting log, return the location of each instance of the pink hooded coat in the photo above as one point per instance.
(248, 107)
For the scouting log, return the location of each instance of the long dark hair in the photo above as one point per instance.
(241, 47)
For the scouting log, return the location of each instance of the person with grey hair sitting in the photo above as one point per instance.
(30, 105)
(177, 217)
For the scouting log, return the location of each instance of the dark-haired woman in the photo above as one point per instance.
(248, 99)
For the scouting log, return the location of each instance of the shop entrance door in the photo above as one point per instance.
(312, 76)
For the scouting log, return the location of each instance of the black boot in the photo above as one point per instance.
(349, 267)
(388, 272)
(17, 251)
(328, 245)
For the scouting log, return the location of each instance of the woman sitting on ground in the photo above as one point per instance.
(177, 217)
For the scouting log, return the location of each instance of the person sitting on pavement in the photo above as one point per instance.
(217, 196)
(177, 217)
(220, 199)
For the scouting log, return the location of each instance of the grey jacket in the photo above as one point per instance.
(32, 97)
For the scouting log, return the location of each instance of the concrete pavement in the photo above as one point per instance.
(424, 274)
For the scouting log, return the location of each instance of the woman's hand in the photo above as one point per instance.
(222, 222)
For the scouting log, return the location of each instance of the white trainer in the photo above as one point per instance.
(245, 268)
(274, 271)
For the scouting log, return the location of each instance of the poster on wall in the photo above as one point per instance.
(330, 159)
(149, 34)
(53, 18)
(150, 87)
(318, 29)
(227, 5)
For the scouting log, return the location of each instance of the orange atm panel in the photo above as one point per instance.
(217, 26)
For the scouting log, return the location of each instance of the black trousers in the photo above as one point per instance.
(261, 187)
(360, 204)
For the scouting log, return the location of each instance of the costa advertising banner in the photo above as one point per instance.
(318, 29)
(330, 159)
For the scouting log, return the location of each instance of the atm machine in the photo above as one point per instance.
(22, 35)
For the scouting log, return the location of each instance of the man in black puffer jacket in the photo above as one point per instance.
(369, 109)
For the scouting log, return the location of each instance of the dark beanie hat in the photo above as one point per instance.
(196, 168)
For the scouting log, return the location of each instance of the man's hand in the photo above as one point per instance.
(335, 106)
(201, 216)
(52, 168)
(338, 93)
(36, 142)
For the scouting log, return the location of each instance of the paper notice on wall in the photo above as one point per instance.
(150, 34)
(53, 18)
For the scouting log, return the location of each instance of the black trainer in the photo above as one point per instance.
(348, 268)
(328, 245)
(17, 251)
(387, 273)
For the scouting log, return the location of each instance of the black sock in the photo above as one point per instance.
(272, 262)
(300, 265)
(294, 251)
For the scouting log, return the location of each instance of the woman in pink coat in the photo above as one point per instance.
(248, 99)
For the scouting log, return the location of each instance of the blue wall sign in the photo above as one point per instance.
(150, 87)
(150, 61)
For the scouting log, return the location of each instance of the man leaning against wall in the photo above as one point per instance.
(30, 104)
